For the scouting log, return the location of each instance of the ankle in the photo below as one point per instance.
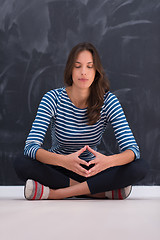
(97, 195)
(55, 194)
(73, 182)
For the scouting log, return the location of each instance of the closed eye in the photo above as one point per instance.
(79, 66)
(90, 66)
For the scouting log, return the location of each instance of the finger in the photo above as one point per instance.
(91, 150)
(83, 162)
(81, 150)
(92, 162)
(82, 171)
(93, 171)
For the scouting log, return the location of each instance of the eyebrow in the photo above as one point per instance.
(80, 62)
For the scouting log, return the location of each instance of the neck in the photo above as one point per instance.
(78, 96)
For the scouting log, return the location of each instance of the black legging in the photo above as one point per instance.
(58, 177)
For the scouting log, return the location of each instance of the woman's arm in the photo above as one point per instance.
(33, 146)
(129, 148)
(121, 158)
(71, 161)
(115, 115)
(103, 162)
(51, 158)
(46, 110)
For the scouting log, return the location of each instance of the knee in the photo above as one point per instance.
(144, 167)
(17, 162)
(20, 166)
(141, 169)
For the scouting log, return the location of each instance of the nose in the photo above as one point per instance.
(83, 72)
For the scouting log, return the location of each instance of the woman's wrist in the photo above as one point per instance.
(111, 162)
(120, 158)
(51, 158)
(61, 160)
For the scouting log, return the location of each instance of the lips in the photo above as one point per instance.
(83, 79)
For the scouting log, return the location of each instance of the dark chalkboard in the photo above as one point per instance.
(35, 39)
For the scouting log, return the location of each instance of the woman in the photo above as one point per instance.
(79, 114)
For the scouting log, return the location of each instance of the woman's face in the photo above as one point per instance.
(83, 72)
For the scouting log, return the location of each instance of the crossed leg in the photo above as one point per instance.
(75, 189)
(105, 181)
(63, 184)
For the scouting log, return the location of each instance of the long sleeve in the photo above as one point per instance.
(115, 115)
(45, 112)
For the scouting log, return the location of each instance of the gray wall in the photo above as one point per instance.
(35, 39)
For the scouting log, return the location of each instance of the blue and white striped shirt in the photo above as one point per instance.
(69, 129)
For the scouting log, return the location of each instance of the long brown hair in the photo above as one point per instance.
(99, 86)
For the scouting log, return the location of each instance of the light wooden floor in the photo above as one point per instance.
(137, 217)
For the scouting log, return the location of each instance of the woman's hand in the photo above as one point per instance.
(103, 162)
(73, 163)
(100, 162)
